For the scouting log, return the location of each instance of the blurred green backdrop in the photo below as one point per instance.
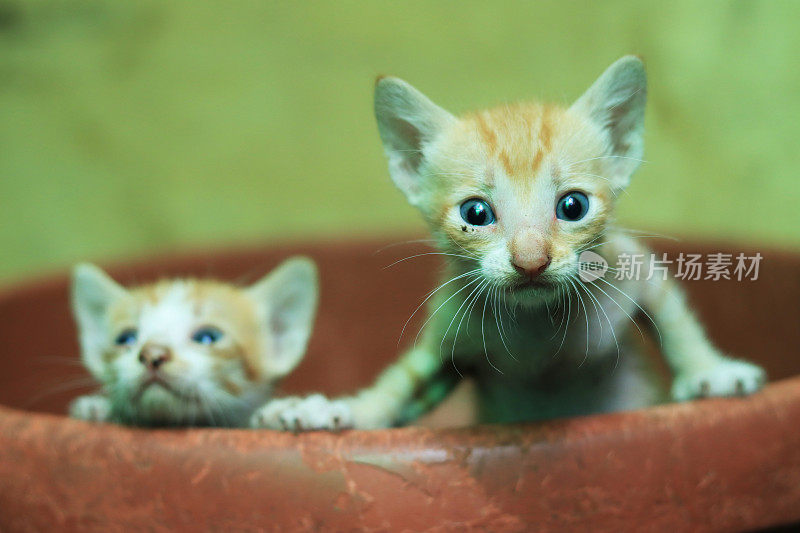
(144, 126)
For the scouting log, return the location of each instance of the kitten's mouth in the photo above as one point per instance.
(527, 284)
(155, 380)
(530, 291)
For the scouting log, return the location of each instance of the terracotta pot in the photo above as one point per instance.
(708, 465)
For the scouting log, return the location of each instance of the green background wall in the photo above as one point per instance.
(130, 128)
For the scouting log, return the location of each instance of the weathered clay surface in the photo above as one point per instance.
(716, 465)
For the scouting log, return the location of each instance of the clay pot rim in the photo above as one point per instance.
(718, 409)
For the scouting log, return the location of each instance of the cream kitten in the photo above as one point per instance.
(190, 352)
(513, 195)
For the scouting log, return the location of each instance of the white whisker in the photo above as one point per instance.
(394, 244)
(585, 314)
(440, 306)
(430, 295)
(608, 319)
(455, 338)
(428, 253)
(483, 335)
(637, 305)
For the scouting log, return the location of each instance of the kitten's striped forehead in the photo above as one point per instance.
(516, 137)
(521, 142)
(191, 297)
(167, 309)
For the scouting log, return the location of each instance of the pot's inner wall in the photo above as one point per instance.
(362, 311)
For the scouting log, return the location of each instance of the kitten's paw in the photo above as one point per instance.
(729, 377)
(315, 412)
(94, 408)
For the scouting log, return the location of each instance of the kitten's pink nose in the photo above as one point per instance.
(531, 269)
(530, 253)
(154, 355)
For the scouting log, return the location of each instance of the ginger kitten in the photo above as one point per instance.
(513, 196)
(190, 352)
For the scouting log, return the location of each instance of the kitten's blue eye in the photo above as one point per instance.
(207, 335)
(477, 212)
(126, 338)
(572, 206)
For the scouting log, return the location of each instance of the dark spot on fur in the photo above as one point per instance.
(463, 228)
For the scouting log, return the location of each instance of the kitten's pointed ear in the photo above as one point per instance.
(287, 298)
(616, 103)
(93, 291)
(407, 122)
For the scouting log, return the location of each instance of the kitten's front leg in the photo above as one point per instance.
(92, 407)
(404, 391)
(699, 369)
(411, 386)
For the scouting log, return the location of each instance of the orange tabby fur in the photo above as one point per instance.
(562, 352)
(221, 348)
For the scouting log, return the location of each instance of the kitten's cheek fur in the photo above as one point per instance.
(497, 265)
(315, 412)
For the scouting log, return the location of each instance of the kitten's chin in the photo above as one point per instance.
(158, 402)
(533, 294)
(158, 399)
(159, 406)
(158, 389)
